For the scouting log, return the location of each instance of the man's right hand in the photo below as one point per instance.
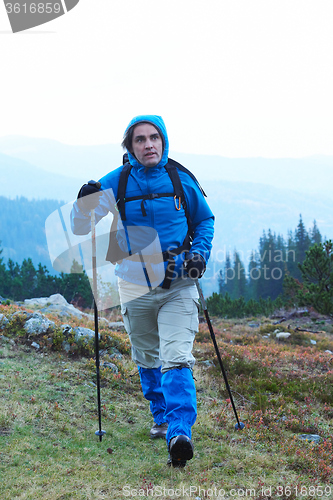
(88, 197)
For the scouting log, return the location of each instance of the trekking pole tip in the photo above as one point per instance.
(240, 426)
(100, 433)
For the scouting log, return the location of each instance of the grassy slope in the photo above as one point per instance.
(48, 448)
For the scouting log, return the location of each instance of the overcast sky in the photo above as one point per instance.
(237, 78)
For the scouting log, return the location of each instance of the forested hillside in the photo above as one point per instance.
(275, 257)
(22, 229)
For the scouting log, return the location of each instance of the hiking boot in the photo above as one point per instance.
(180, 450)
(176, 463)
(159, 430)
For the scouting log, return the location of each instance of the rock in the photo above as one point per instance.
(84, 333)
(115, 354)
(103, 321)
(66, 330)
(66, 346)
(283, 335)
(328, 351)
(56, 304)
(313, 342)
(6, 339)
(45, 301)
(312, 438)
(35, 345)
(61, 310)
(115, 324)
(3, 321)
(23, 314)
(112, 366)
(38, 325)
(207, 363)
(254, 325)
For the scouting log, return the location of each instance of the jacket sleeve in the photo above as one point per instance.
(201, 219)
(202, 238)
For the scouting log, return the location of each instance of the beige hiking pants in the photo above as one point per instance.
(161, 324)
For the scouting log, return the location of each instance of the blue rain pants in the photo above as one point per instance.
(172, 398)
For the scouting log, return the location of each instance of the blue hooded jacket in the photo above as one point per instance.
(161, 213)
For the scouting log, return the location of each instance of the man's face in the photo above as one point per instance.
(147, 145)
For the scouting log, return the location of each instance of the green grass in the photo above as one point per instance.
(48, 419)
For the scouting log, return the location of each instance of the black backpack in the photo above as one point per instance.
(115, 254)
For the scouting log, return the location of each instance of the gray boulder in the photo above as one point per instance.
(84, 333)
(3, 321)
(66, 330)
(111, 366)
(283, 335)
(311, 438)
(55, 304)
(46, 301)
(38, 325)
(116, 325)
(21, 314)
(66, 346)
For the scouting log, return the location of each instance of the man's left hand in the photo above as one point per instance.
(195, 266)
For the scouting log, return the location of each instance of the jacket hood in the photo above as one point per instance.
(158, 122)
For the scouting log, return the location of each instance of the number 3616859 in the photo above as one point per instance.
(33, 8)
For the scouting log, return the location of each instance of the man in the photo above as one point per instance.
(161, 320)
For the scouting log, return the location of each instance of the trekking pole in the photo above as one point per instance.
(239, 425)
(100, 432)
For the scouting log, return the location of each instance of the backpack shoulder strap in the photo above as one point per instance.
(123, 179)
(175, 179)
(188, 172)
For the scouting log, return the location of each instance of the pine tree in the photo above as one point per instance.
(75, 287)
(3, 276)
(314, 233)
(302, 241)
(266, 250)
(254, 274)
(317, 273)
(28, 277)
(239, 282)
(227, 277)
(291, 263)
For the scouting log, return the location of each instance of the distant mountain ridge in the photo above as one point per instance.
(307, 175)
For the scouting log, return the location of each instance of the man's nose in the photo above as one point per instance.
(149, 144)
